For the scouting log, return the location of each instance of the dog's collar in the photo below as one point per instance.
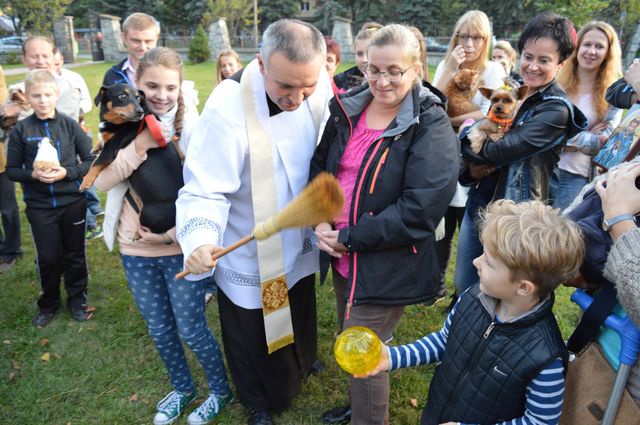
(502, 123)
(151, 122)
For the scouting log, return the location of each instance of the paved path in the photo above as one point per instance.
(20, 71)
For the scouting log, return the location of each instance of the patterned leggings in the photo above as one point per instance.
(173, 310)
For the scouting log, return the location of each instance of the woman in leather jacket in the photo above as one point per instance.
(519, 166)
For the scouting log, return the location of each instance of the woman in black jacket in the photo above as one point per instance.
(392, 148)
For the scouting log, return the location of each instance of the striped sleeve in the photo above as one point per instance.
(543, 398)
(428, 349)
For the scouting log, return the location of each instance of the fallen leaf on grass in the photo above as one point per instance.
(57, 356)
(80, 329)
(12, 376)
(132, 309)
(69, 423)
(45, 357)
(134, 398)
(44, 342)
(414, 402)
(90, 327)
(146, 401)
(6, 341)
(91, 309)
(15, 365)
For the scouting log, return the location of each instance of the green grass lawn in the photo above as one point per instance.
(107, 371)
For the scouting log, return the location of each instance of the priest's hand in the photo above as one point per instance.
(328, 240)
(200, 259)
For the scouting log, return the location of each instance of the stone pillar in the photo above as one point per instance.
(341, 33)
(112, 44)
(63, 37)
(218, 37)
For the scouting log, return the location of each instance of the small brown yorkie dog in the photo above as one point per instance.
(504, 102)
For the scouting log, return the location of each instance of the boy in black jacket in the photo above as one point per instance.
(55, 209)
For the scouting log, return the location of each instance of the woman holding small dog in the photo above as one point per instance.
(520, 164)
(468, 49)
(174, 310)
(392, 148)
(590, 70)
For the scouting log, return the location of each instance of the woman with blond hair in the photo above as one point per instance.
(391, 147)
(505, 55)
(354, 77)
(469, 48)
(589, 71)
(228, 64)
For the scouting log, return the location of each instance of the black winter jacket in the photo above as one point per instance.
(526, 155)
(620, 93)
(70, 141)
(349, 79)
(115, 75)
(403, 188)
(487, 366)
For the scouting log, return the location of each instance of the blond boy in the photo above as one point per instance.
(54, 206)
(501, 352)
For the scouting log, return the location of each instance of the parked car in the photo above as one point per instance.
(11, 44)
(434, 45)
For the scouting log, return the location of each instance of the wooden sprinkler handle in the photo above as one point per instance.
(223, 251)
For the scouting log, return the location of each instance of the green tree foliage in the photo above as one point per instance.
(35, 16)
(272, 10)
(237, 12)
(199, 50)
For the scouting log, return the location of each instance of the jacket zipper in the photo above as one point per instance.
(375, 174)
(54, 202)
(354, 264)
(486, 336)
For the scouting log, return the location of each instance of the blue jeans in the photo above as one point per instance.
(568, 185)
(469, 248)
(175, 309)
(93, 207)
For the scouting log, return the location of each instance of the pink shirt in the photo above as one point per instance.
(360, 141)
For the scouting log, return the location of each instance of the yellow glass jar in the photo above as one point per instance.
(357, 350)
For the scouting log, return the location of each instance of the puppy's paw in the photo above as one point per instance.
(477, 138)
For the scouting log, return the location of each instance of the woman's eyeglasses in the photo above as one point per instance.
(392, 76)
(474, 38)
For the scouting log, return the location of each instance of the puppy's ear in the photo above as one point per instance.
(486, 92)
(101, 93)
(522, 92)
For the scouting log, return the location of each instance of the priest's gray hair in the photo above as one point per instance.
(298, 41)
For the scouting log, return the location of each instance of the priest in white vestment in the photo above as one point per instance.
(248, 157)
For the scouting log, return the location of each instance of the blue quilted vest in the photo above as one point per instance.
(487, 366)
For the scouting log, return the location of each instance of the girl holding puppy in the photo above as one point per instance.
(174, 310)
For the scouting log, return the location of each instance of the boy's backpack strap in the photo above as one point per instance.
(593, 317)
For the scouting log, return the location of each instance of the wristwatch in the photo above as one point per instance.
(608, 223)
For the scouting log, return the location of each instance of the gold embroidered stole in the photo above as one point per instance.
(275, 297)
